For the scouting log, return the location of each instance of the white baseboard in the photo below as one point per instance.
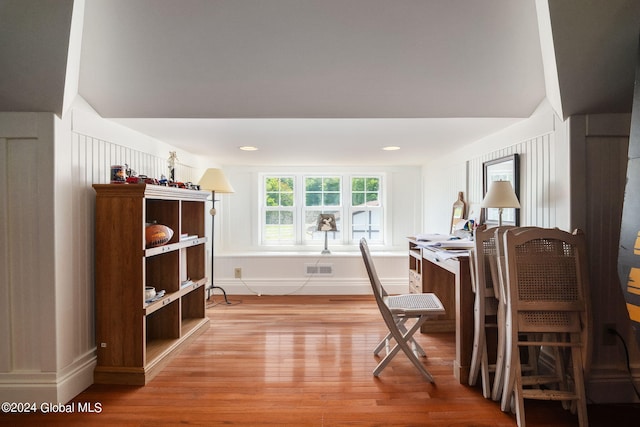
(310, 287)
(49, 387)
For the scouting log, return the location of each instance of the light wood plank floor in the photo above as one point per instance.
(303, 361)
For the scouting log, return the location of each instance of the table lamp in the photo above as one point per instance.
(214, 180)
(501, 196)
(326, 223)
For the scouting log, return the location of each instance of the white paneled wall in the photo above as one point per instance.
(47, 255)
(27, 289)
(537, 178)
(93, 158)
(542, 145)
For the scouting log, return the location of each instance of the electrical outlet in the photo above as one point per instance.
(608, 336)
(237, 272)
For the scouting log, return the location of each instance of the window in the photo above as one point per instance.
(292, 205)
(279, 213)
(322, 195)
(366, 209)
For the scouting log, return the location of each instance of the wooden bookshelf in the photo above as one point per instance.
(135, 339)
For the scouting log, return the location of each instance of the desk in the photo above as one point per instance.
(450, 280)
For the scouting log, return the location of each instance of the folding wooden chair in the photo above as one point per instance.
(501, 292)
(486, 305)
(396, 311)
(548, 298)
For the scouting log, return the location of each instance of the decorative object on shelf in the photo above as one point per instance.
(125, 175)
(118, 174)
(326, 223)
(502, 169)
(214, 180)
(149, 293)
(458, 212)
(501, 196)
(130, 172)
(157, 235)
(173, 158)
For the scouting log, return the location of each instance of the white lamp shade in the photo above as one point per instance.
(500, 195)
(213, 179)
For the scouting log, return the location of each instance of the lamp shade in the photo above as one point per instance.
(213, 179)
(500, 195)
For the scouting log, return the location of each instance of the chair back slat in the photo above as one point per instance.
(376, 285)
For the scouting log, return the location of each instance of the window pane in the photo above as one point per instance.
(286, 199)
(331, 184)
(373, 184)
(272, 184)
(372, 197)
(279, 191)
(313, 184)
(286, 217)
(272, 217)
(286, 184)
(279, 226)
(311, 226)
(357, 184)
(313, 199)
(332, 199)
(272, 199)
(366, 223)
(365, 191)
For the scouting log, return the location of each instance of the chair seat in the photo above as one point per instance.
(416, 304)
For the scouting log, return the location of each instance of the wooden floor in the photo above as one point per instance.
(303, 361)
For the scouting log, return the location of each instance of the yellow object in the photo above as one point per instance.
(633, 285)
(634, 312)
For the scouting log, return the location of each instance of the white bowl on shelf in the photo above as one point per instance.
(149, 292)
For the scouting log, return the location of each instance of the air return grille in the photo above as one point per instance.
(319, 269)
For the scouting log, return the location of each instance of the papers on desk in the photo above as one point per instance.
(433, 237)
(444, 246)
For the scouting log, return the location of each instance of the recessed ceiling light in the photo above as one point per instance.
(391, 148)
(248, 148)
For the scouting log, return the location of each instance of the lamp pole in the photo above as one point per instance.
(213, 243)
(214, 180)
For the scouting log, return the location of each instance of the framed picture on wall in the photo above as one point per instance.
(502, 169)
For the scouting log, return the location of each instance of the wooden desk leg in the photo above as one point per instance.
(464, 322)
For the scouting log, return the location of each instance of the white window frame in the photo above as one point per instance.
(380, 208)
(345, 208)
(264, 208)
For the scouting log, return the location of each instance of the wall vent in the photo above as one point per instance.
(319, 269)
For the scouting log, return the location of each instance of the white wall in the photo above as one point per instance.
(542, 145)
(277, 270)
(43, 357)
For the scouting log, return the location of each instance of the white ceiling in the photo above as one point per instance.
(305, 78)
(209, 76)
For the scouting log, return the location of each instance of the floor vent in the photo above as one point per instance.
(319, 269)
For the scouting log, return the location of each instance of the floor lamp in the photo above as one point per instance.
(500, 195)
(214, 181)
